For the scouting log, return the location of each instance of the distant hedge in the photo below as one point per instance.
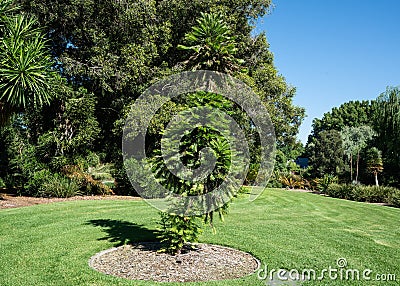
(360, 193)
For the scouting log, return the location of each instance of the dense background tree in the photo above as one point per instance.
(355, 139)
(110, 51)
(349, 114)
(352, 114)
(387, 125)
(358, 121)
(326, 155)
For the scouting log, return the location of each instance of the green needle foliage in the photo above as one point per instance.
(211, 45)
(177, 231)
(25, 62)
(180, 229)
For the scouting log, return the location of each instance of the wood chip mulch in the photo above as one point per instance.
(13, 201)
(206, 262)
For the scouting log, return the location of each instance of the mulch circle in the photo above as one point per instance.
(205, 262)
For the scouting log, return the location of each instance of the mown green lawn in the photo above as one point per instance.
(51, 244)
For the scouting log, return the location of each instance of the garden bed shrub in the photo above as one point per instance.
(360, 193)
(394, 198)
(44, 183)
(87, 184)
(292, 181)
(341, 191)
(322, 184)
(372, 194)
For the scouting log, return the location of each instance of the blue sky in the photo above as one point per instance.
(334, 51)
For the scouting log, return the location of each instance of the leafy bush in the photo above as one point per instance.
(60, 187)
(341, 191)
(322, 184)
(2, 183)
(394, 198)
(101, 172)
(292, 181)
(47, 184)
(371, 194)
(177, 231)
(122, 184)
(86, 183)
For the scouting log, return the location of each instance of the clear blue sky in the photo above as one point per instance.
(334, 51)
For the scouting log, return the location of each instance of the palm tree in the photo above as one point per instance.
(212, 45)
(375, 163)
(25, 63)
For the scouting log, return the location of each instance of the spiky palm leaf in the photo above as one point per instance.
(25, 73)
(212, 45)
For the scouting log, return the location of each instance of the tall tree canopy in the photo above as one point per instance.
(365, 126)
(110, 51)
(387, 125)
(327, 153)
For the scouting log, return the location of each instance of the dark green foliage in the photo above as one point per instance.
(371, 194)
(26, 76)
(327, 152)
(177, 231)
(21, 162)
(350, 114)
(69, 129)
(394, 198)
(387, 120)
(108, 52)
(2, 183)
(323, 183)
(47, 184)
(340, 191)
(360, 193)
(383, 116)
(212, 45)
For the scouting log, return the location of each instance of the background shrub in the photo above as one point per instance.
(87, 184)
(292, 181)
(394, 198)
(44, 183)
(59, 186)
(371, 194)
(341, 191)
(323, 183)
(360, 193)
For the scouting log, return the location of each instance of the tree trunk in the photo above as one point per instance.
(358, 161)
(376, 179)
(351, 168)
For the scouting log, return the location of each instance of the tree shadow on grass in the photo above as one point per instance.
(124, 232)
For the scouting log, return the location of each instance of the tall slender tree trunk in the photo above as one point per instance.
(351, 168)
(376, 179)
(358, 161)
